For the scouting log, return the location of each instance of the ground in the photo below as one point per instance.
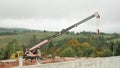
(10, 64)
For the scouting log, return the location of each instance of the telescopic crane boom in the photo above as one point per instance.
(63, 31)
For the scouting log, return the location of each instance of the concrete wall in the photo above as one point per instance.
(108, 62)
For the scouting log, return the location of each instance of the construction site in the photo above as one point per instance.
(59, 34)
(33, 56)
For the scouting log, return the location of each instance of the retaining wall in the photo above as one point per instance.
(107, 62)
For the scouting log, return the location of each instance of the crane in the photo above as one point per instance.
(32, 52)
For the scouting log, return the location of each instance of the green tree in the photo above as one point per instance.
(58, 51)
(33, 41)
(103, 52)
(51, 50)
(118, 48)
(2, 53)
(115, 47)
(107, 52)
(87, 49)
(12, 47)
(80, 53)
(68, 52)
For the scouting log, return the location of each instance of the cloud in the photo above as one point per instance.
(58, 14)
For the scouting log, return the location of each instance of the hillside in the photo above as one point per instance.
(69, 44)
(13, 29)
(24, 35)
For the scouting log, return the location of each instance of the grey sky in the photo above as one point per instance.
(55, 15)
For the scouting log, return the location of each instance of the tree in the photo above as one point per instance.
(68, 52)
(51, 50)
(33, 41)
(74, 42)
(107, 52)
(103, 52)
(2, 53)
(87, 49)
(118, 48)
(115, 47)
(58, 51)
(12, 47)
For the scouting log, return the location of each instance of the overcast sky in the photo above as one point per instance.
(54, 15)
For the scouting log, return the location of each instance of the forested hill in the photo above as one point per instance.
(11, 31)
(69, 44)
(23, 35)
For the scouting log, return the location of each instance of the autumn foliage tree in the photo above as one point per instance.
(74, 42)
